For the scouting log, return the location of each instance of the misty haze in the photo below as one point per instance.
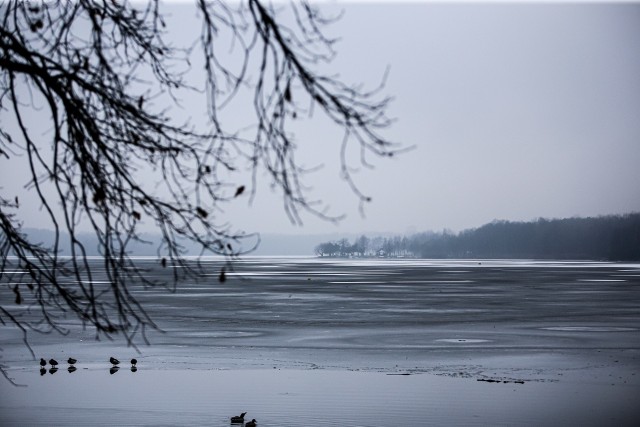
(241, 213)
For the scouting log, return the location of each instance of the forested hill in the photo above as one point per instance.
(614, 237)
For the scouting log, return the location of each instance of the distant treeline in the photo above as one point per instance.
(613, 237)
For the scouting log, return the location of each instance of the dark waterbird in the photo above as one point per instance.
(134, 362)
(114, 361)
(238, 418)
(43, 362)
(252, 423)
(134, 369)
(71, 361)
(53, 362)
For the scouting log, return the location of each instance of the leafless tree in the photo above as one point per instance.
(104, 77)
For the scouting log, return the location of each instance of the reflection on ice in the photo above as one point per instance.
(323, 398)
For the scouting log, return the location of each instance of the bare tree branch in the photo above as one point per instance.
(104, 78)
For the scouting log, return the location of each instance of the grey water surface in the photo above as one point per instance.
(372, 342)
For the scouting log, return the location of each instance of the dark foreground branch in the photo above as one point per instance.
(90, 90)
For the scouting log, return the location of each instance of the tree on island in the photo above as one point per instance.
(88, 95)
(342, 248)
(611, 238)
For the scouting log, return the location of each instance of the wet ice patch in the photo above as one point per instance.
(588, 329)
(426, 310)
(356, 282)
(462, 340)
(221, 334)
(444, 282)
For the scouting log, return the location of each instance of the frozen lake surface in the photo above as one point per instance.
(318, 342)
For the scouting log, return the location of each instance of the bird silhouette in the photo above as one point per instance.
(43, 362)
(238, 418)
(53, 363)
(134, 362)
(71, 361)
(114, 361)
(43, 371)
(53, 370)
(252, 423)
(72, 369)
(134, 369)
(114, 369)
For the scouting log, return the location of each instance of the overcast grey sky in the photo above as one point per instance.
(516, 111)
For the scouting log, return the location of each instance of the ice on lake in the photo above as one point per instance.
(317, 342)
